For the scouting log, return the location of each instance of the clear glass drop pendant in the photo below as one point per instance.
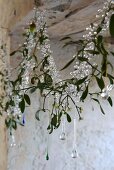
(23, 120)
(105, 94)
(63, 135)
(106, 91)
(12, 141)
(74, 153)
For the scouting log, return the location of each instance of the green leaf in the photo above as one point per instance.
(41, 86)
(13, 53)
(105, 52)
(102, 110)
(33, 89)
(12, 103)
(81, 80)
(45, 63)
(68, 118)
(8, 122)
(42, 37)
(48, 79)
(99, 29)
(32, 27)
(35, 57)
(99, 105)
(47, 156)
(22, 105)
(95, 100)
(99, 39)
(25, 52)
(14, 124)
(110, 101)
(37, 115)
(82, 59)
(13, 83)
(100, 83)
(54, 120)
(50, 129)
(11, 123)
(7, 106)
(111, 81)
(84, 94)
(68, 64)
(29, 58)
(109, 75)
(2, 47)
(111, 25)
(79, 42)
(59, 115)
(27, 99)
(72, 81)
(92, 52)
(110, 78)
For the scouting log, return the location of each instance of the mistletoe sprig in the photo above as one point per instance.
(41, 73)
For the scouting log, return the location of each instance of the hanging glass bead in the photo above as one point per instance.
(12, 141)
(23, 121)
(63, 135)
(74, 153)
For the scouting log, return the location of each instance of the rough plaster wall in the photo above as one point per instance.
(11, 11)
(3, 145)
(4, 39)
(95, 137)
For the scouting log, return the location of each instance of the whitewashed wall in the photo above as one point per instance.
(95, 137)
